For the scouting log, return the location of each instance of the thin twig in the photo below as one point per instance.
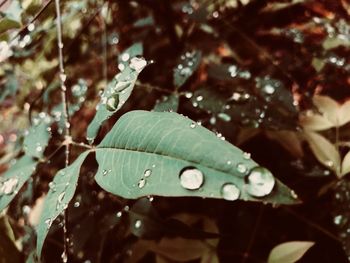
(63, 76)
(252, 237)
(312, 224)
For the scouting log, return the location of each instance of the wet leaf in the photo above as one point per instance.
(345, 168)
(289, 252)
(167, 154)
(168, 103)
(114, 97)
(325, 152)
(62, 190)
(187, 65)
(14, 178)
(38, 136)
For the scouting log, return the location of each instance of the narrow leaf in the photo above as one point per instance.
(62, 190)
(166, 154)
(328, 107)
(345, 168)
(187, 65)
(115, 95)
(14, 179)
(344, 113)
(325, 152)
(289, 252)
(38, 136)
(168, 103)
(315, 122)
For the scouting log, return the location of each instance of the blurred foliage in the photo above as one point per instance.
(269, 76)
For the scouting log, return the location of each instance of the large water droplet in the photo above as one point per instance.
(230, 192)
(112, 102)
(259, 182)
(191, 178)
(138, 64)
(8, 186)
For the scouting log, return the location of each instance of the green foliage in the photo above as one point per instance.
(61, 192)
(158, 151)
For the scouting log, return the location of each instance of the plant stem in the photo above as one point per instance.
(63, 76)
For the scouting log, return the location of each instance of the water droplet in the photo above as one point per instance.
(242, 168)
(31, 27)
(125, 57)
(148, 172)
(60, 199)
(141, 183)
(269, 89)
(112, 102)
(8, 186)
(233, 70)
(199, 98)
(225, 117)
(193, 125)
(329, 163)
(229, 162)
(119, 214)
(259, 182)
(337, 219)
(39, 148)
(246, 155)
(191, 178)
(64, 257)
(188, 95)
(52, 186)
(230, 192)
(48, 223)
(138, 223)
(76, 204)
(239, 97)
(138, 64)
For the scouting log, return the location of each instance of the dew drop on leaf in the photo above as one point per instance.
(138, 223)
(138, 64)
(191, 178)
(112, 102)
(259, 182)
(230, 192)
(9, 186)
(141, 183)
(246, 155)
(242, 168)
(147, 173)
(193, 125)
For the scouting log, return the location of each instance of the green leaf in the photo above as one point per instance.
(115, 95)
(166, 154)
(11, 85)
(168, 103)
(62, 190)
(209, 100)
(38, 136)
(289, 252)
(133, 51)
(14, 178)
(345, 168)
(325, 152)
(7, 24)
(187, 65)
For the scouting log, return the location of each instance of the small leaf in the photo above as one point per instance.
(315, 122)
(328, 107)
(166, 154)
(168, 103)
(114, 96)
(38, 136)
(345, 168)
(62, 190)
(344, 113)
(325, 152)
(289, 252)
(187, 65)
(14, 178)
